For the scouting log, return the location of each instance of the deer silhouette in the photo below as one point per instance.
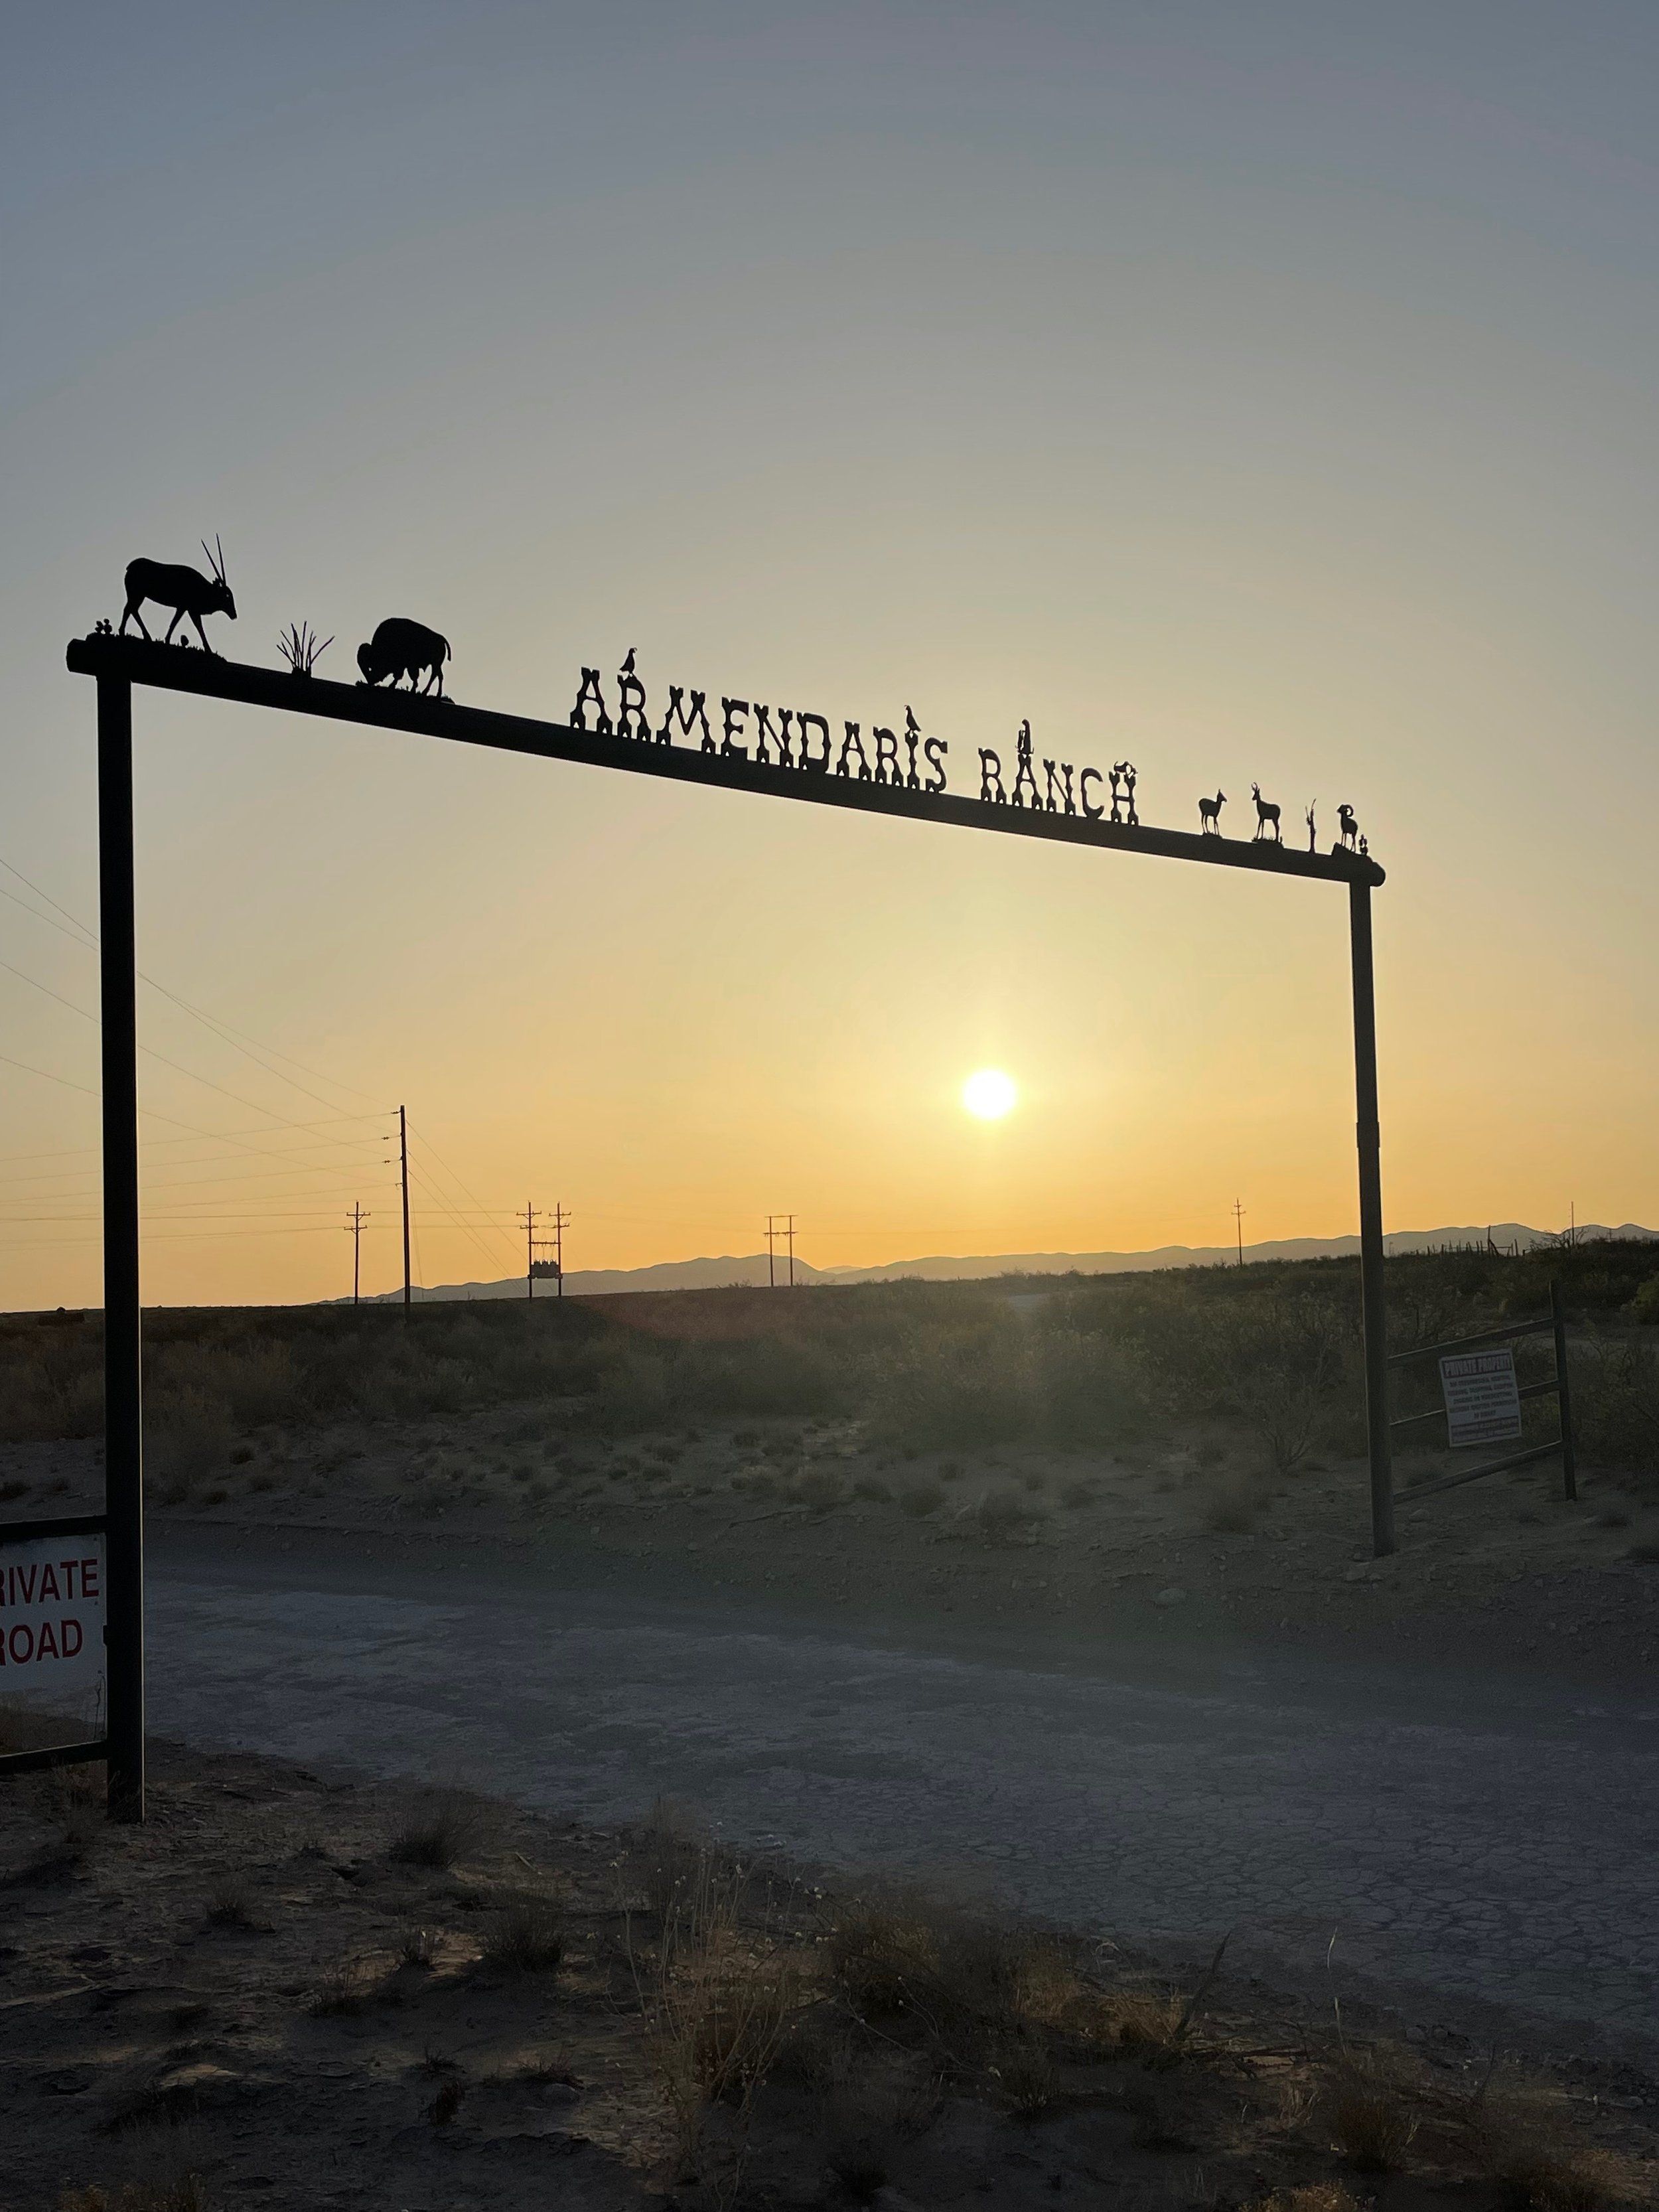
(1266, 815)
(1349, 826)
(1209, 813)
(186, 590)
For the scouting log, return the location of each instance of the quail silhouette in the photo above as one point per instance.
(627, 668)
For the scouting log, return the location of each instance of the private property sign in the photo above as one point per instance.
(1483, 1406)
(51, 1614)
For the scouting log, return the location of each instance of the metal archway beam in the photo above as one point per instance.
(205, 675)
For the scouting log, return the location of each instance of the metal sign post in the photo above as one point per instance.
(1058, 810)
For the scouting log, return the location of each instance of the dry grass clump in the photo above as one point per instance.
(343, 1988)
(670, 1855)
(183, 2193)
(1310, 2197)
(452, 1827)
(874, 2104)
(230, 1904)
(719, 2001)
(1233, 1510)
(1001, 1516)
(1371, 2109)
(528, 1936)
(1529, 2143)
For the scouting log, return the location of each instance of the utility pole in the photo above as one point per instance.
(556, 1242)
(772, 1233)
(561, 1222)
(528, 1217)
(402, 1160)
(1239, 1227)
(354, 1231)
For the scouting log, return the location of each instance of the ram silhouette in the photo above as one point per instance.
(401, 647)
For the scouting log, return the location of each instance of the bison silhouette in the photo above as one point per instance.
(400, 648)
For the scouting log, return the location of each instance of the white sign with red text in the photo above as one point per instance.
(51, 1614)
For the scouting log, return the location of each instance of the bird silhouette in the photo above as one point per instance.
(627, 668)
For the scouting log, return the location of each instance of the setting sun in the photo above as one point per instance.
(990, 1094)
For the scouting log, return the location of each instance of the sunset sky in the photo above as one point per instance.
(1262, 393)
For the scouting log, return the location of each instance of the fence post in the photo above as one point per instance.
(124, 1477)
(1374, 1310)
(1562, 1394)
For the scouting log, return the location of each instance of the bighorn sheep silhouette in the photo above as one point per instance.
(1349, 826)
(186, 590)
(1267, 815)
(1209, 813)
(402, 647)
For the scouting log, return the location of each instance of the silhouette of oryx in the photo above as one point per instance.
(401, 647)
(1266, 813)
(186, 590)
(1349, 826)
(1209, 813)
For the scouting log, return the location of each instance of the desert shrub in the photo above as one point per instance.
(528, 1936)
(1615, 1386)
(671, 1858)
(1527, 2138)
(230, 1904)
(1000, 1517)
(921, 1498)
(821, 1488)
(1233, 1510)
(870, 2107)
(187, 1437)
(343, 1988)
(449, 1828)
(1370, 2110)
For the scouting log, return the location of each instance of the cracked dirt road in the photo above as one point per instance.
(1484, 1846)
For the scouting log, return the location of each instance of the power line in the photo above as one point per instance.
(241, 1039)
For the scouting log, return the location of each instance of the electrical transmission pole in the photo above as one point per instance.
(1238, 1224)
(528, 1216)
(354, 1231)
(532, 1243)
(773, 1232)
(403, 1162)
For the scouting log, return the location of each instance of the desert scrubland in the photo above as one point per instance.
(1173, 1452)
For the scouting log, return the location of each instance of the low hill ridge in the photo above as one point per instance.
(750, 1269)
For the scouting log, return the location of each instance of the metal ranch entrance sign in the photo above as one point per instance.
(745, 745)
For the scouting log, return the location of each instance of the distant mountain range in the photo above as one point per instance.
(751, 1269)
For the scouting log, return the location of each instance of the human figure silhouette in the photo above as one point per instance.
(1313, 834)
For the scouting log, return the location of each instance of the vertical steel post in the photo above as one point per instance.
(1368, 1133)
(124, 1468)
(1563, 1394)
(402, 1160)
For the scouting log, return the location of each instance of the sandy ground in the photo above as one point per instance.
(254, 2000)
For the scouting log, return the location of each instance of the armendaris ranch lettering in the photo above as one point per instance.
(51, 1613)
(791, 738)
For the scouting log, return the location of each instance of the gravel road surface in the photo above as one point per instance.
(1484, 1847)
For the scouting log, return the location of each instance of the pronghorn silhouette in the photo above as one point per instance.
(1266, 812)
(1209, 813)
(1349, 826)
